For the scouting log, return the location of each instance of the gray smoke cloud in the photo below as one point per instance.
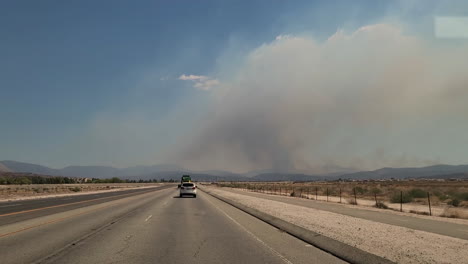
(367, 99)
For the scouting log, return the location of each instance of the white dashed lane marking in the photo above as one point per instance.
(9, 205)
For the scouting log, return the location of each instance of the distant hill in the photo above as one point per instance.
(403, 173)
(4, 168)
(448, 176)
(15, 166)
(164, 171)
(90, 171)
(84, 171)
(174, 172)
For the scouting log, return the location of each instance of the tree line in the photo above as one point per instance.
(38, 179)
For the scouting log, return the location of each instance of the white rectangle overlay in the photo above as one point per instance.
(452, 27)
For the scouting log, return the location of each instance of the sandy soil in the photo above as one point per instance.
(414, 208)
(38, 191)
(399, 244)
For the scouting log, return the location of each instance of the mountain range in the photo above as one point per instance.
(167, 171)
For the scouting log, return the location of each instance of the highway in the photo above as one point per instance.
(144, 226)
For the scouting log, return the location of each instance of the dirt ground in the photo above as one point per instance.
(32, 191)
(441, 194)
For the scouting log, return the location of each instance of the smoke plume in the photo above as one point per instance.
(371, 98)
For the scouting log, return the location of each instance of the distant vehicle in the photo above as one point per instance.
(185, 178)
(188, 188)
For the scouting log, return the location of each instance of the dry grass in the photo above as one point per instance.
(455, 213)
(447, 198)
(21, 191)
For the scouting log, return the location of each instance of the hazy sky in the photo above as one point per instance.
(234, 85)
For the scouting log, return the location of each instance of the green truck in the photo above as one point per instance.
(185, 178)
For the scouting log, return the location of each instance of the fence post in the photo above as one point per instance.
(327, 194)
(308, 192)
(376, 203)
(340, 195)
(316, 193)
(401, 201)
(355, 197)
(429, 201)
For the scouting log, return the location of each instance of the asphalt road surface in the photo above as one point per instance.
(428, 225)
(149, 226)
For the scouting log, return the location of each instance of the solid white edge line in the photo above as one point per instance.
(283, 258)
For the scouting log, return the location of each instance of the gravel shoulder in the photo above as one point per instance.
(399, 244)
(361, 207)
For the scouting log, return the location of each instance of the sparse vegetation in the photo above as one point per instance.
(376, 191)
(17, 191)
(417, 193)
(451, 213)
(381, 205)
(455, 202)
(75, 189)
(462, 196)
(419, 212)
(379, 194)
(401, 198)
(15, 178)
(351, 201)
(360, 190)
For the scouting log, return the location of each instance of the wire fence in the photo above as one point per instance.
(440, 202)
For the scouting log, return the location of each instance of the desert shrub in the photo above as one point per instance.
(333, 191)
(443, 196)
(381, 205)
(360, 190)
(419, 212)
(450, 213)
(454, 202)
(22, 180)
(462, 196)
(397, 198)
(375, 191)
(75, 189)
(36, 190)
(417, 193)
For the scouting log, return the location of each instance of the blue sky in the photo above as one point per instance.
(67, 68)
